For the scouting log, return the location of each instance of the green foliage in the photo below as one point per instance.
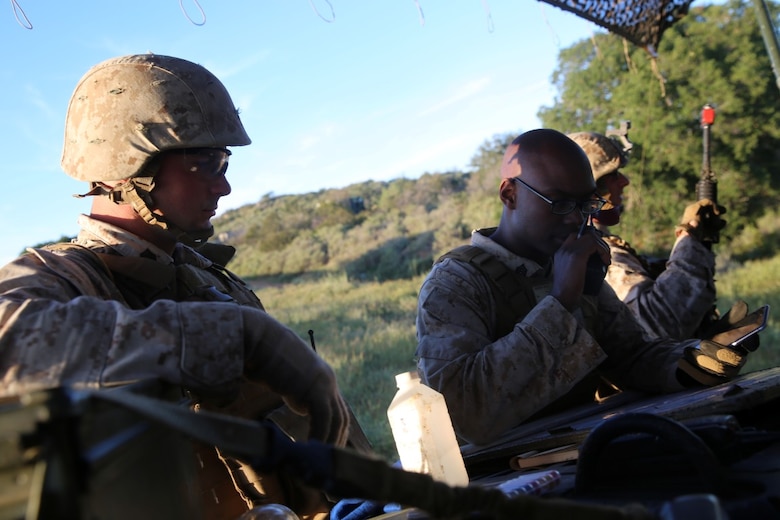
(755, 241)
(480, 207)
(364, 330)
(401, 257)
(714, 55)
(757, 282)
(400, 228)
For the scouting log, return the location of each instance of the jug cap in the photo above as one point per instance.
(405, 377)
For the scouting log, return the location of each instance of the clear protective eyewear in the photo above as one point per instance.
(566, 206)
(208, 163)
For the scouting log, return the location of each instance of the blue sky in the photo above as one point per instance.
(380, 90)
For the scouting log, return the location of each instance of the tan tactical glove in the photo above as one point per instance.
(276, 356)
(735, 324)
(719, 359)
(712, 363)
(702, 219)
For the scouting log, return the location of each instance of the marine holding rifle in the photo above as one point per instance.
(140, 293)
(672, 297)
(520, 324)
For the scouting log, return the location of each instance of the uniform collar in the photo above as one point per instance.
(101, 235)
(98, 234)
(481, 239)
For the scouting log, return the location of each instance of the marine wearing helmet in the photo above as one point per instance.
(671, 297)
(126, 111)
(150, 134)
(606, 156)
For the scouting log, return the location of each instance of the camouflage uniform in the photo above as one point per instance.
(668, 301)
(114, 308)
(670, 304)
(57, 298)
(492, 382)
(168, 317)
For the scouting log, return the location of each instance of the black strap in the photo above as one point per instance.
(346, 472)
(145, 270)
(220, 254)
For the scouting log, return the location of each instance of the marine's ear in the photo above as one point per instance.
(507, 192)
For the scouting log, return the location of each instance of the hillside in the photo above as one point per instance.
(371, 231)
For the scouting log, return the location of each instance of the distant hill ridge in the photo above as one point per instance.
(372, 230)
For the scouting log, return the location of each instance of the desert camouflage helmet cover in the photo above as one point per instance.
(126, 110)
(605, 154)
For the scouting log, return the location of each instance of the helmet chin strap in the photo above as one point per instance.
(136, 192)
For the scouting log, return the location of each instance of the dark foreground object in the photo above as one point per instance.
(127, 453)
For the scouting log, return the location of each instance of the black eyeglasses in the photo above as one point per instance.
(209, 163)
(566, 206)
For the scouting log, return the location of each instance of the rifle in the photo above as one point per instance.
(707, 187)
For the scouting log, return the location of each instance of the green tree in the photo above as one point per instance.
(714, 55)
(483, 207)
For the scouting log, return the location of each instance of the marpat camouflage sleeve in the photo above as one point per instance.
(62, 323)
(491, 385)
(675, 303)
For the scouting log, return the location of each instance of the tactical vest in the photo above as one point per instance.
(515, 291)
(142, 281)
(517, 294)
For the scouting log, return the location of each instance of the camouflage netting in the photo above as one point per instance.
(642, 22)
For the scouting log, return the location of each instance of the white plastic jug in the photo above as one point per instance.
(423, 432)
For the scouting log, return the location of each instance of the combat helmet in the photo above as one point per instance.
(604, 153)
(127, 110)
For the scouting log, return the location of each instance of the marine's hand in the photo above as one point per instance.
(736, 313)
(570, 266)
(739, 327)
(734, 336)
(711, 363)
(276, 356)
(736, 324)
(702, 219)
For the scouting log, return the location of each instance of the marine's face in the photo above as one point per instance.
(543, 231)
(188, 186)
(611, 187)
(558, 170)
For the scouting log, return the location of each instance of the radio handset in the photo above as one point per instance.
(596, 270)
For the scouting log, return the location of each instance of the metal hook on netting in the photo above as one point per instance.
(23, 21)
(187, 15)
(332, 12)
(490, 24)
(420, 12)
